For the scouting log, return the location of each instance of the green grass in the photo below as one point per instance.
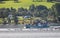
(24, 4)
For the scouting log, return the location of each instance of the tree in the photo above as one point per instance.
(32, 9)
(41, 7)
(4, 12)
(56, 9)
(41, 10)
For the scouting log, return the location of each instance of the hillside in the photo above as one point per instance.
(24, 4)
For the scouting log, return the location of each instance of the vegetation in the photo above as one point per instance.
(44, 10)
(24, 4)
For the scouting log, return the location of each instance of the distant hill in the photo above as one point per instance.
(24, 4)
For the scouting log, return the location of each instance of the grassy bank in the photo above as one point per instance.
(24, 4)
